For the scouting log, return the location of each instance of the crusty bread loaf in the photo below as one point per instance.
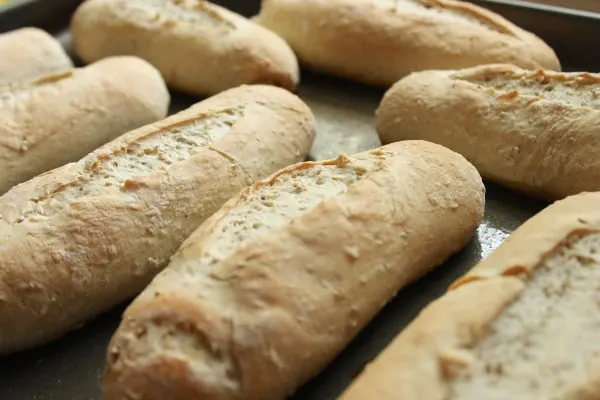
(380, 41)
(29, 53)
(536, 132)
(274, 285)
(83, 237)
(199, 47)
(521, 325)
(61, 117)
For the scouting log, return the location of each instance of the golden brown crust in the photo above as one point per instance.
(199, 47)
(576, 215)
(509, 72)
(81, 238)
(420, 362)
(262, 321)
(28, 53)
(534, 131)
(61, 117)
(417, 363)
(378, 42)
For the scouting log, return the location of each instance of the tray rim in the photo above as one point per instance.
(15, 4)
(573, 12)
(18, 4)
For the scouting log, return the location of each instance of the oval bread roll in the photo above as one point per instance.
(536, 132)
(59, 118)
(84, 237)
(378, 42)
(273, 286)
(521, 325)
(199, 47)
(28, 53)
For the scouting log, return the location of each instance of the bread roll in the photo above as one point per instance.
(378, 42)
(28, 53)
(199, 47)
(59, 118)
(88, 235)
(273, 286)
(522, 325)
(536, 132)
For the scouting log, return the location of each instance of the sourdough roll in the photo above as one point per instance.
(522, 325)
(533, 131)
(274, 285)
(29, 53)
(61, 117)
(199, 47)
(84, 237)
(380, 41)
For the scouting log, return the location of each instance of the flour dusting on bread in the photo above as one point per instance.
(428, 7)
(573, 89)
(137, 159)
(276, 203)
(547, 339)
(185, 11)
(20, 89)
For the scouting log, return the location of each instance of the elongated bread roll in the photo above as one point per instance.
(274, 285)
(199, 47)
(521, 325)
(81, 238)
(536, 132)
(29, 53)
(380, 41)
(60, 118)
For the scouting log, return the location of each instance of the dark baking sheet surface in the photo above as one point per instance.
(70, 368)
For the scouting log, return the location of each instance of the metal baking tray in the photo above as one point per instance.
(71, 368)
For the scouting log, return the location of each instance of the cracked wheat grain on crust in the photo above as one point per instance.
(78, 240)
(532, 333)
(199, 47)
(533, 131)
(266, 292)
(379, 42)
(61, 117)
(29, 53)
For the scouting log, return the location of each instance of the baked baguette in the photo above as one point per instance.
(274, 285)
(521, 325)
(378, 42)
(61, 117)
(199, 47)
(28, 53)
(536, 132)
(86, 236)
